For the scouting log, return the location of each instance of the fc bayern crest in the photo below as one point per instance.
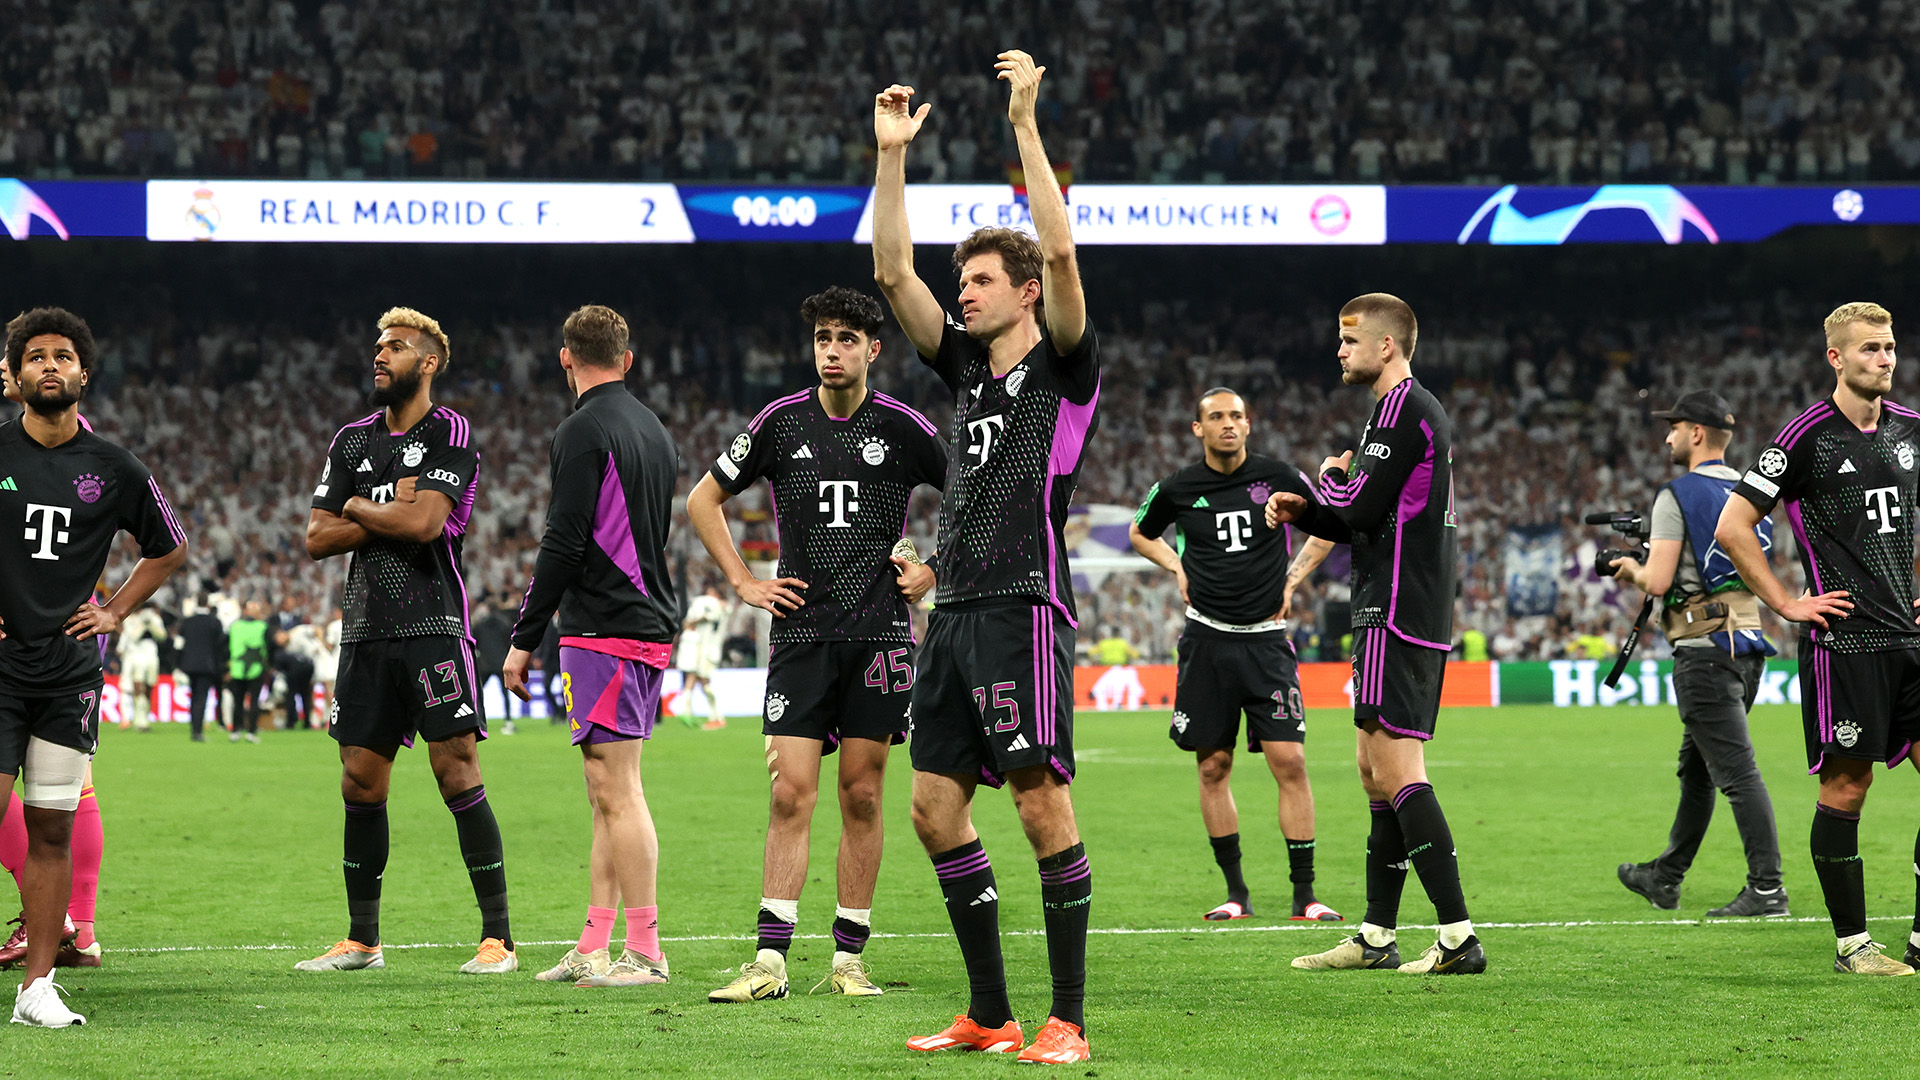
(1905, 454)
(1846, 733)
(1260, 492)
(776, 706)
(874, 452)
(1774, 461)
(1015, 380)
(413, 455)
(741, 444)
(88, 487)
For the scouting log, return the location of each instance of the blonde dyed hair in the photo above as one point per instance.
(423, 323)
(1389, 313)
(1862, 311)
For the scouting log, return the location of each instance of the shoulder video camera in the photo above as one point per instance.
(1627, 523)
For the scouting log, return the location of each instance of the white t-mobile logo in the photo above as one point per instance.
(1234, 526)
(49, 532)
(1883, 505)
(984, 431)
(839, 498)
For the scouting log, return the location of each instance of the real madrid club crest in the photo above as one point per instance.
(1015, 380)
(741, 444)
(1905, 453)
(413, 455)
(873, 451)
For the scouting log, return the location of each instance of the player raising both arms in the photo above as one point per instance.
(993, 698)
(1234, 652)
(1846, 468)
(603, 566)
(1395, 504)
(843, 462)
(69, 493)
(396, 491)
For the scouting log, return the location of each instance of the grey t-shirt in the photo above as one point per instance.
(1670, 524)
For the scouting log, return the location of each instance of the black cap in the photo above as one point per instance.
(1703, 407)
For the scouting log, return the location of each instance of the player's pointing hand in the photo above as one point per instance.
(1815, 609)
(1017, 69)
(895, 122)
(1283, 507)
(777, 597)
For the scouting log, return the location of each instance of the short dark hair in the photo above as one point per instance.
(1215, 392)
(850, 308)
(596, 336)
(1019, 253)
(28, 325)
(1395, 315)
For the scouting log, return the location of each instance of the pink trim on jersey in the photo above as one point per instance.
(892, 403)
(774, 405)
(654, 654)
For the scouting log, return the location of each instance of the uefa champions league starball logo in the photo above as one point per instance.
(88, 487)
(1848, 205)
(1260, 492)
(1773, 462)
(741, 444)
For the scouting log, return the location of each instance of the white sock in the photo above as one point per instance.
(842, 957)
(1377, 936)
(787, 911)
(1453, 933)
(1848, 944)
(862, 916)
(772, 958)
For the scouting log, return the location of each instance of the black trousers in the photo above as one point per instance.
(1715, 691)
(299, 673)
(202, 689)
(246, 705)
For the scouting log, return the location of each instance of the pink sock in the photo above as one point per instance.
(643, 931)
(13, 840)
(89, 841)
(598, 931)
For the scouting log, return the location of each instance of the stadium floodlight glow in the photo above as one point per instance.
(1664, 206)
(405, 212)
(20, 204)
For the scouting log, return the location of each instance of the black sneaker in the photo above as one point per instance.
(1912, 959)
(1638, 877)
(1468, 959)
(1753, 904)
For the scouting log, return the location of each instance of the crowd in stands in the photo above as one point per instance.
(1551, 423)
(1136, 90)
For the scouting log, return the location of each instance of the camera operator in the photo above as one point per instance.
(1718, 657)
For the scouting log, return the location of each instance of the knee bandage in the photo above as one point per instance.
(52, 775)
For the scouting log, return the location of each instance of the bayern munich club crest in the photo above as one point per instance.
(1846, 733)
(1260, 493)
(1015, 380)
(873, 452)
(413, 455)
(776, 707)
(88, 487)
(1774, 462)
(1905, 454)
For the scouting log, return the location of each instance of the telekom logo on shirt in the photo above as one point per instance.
(984, 430)
(48, 532)
(839, 498)
(1883, 505)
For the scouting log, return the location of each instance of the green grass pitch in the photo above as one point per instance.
(222, 870)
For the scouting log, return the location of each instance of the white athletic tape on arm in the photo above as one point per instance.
(52, 775)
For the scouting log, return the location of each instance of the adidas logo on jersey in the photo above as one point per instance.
(365, 466)
(1019, 743)
(805, 451)
(464, 710)
(987, 897)
(1200, 503)
(9, 485)
(1846, 466)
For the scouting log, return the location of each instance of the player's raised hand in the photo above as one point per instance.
(776, 597)
(915, 578)
(1815, 609)
(1284, 507)
(90, 621)
(1343, 463)
(1017, 69)
(895, 122)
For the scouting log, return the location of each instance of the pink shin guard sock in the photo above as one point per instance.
(13, 841)
(598, 931)
(643, 931)
(89, 842)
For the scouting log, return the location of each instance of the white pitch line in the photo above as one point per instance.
(1118, 931)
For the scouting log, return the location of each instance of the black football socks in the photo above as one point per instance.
(1836, 860)
(973, 905)
(776, 933)
(1226, 852)
(481, 849)
(1430, 850)
(1386, 867)
(1300, 873)
(1066, 897)
(363, 859)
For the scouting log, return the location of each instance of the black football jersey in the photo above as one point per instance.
(1018, 441)
(1397, 498)
(60, 509)
(398, 588)
(1850, 499)
(841, 490)
(1236, 567)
